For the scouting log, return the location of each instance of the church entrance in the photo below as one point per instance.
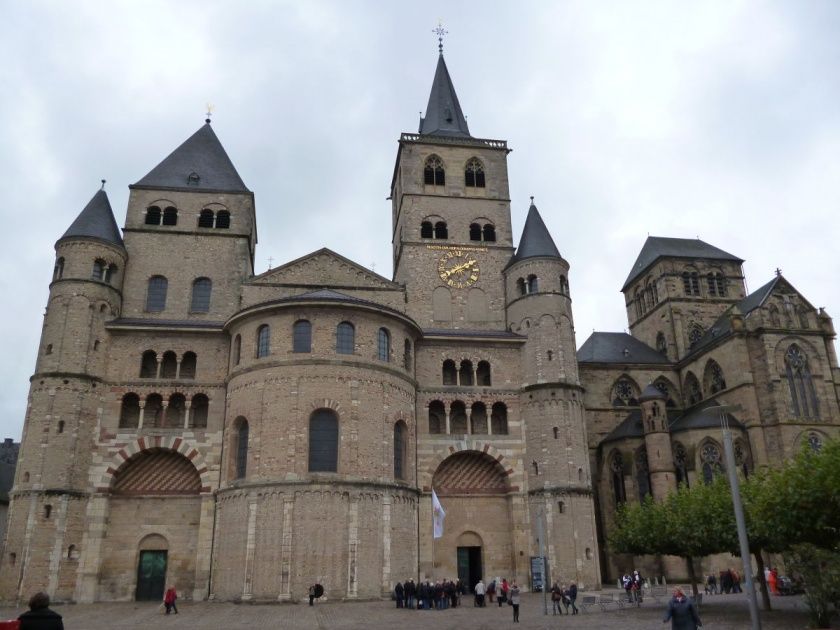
(151, 576)
(469, 566)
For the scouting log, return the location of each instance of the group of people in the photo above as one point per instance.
(446, 593)
(727, 581)
(633, 585)
(565, 596)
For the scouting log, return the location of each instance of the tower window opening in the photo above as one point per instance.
(222, 220)
(556, 431)
(58, 270)
(474, 174)
(533, 284)
(536, 466)
(170, 216)
(475, 232)
(489, 232)
(691, 282)
(441, 231)
(427, 230)
(237, 349)
(550, 355)
(241, 461)
(48, 349)
(47, 511)
(433, 172)
(110, 273)
(521, 287)
(561, 507)
(61, 426)
(153, 215)
(206, 218)
(98, 272)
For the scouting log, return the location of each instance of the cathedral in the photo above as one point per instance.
(244, 436)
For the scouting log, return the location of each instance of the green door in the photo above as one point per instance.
(151, 576)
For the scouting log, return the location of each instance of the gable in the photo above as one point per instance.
(324, 268)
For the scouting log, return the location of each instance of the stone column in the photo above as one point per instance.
(178, 367)
(57, 553)
(159, 363)
(448, 429)
(386, 544)
(489, 425)
(352, 549)
(286, 549)
(96, 518)
(204, 545)
(250, 549)
(140, 418)
(187, 406)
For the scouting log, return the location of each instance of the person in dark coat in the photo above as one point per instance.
(573, 597)
(681, 612)
(399, 594)
(410, 592)
(39, 616)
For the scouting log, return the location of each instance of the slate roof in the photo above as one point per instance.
(609, 347)
(96, 220)
(202, 154)
(651, 392)
(493, 334)
(631, 426)
(536, 240)
(697, 417)
(657, 247)
(443, 113)
(7, 480)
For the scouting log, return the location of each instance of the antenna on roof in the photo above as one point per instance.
(103, 184)
(209, 112)
(440, 32)
(778, 272)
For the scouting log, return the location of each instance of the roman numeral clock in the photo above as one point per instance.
(458, 268)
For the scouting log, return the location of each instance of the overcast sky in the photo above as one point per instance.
(712, 119)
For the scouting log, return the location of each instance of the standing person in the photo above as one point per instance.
(505, 590)
(681, 612)
(556, 599)
(39, 616)
(479, 594)
(774, 581)
(573, 597)
(638, 583)
(491, 590)
(169, 600)
(514, 601)
(399, 593)
(409, 593)
(627, 583)
(312, 595)
(736, 581)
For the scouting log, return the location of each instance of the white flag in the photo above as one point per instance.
(437, 516)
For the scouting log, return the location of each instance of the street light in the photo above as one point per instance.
(735, 487)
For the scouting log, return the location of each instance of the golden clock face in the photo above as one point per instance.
(458, 268)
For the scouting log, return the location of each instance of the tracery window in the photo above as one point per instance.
(433, 173)
(624, 393)
(691, 282)
(802, 391)
(742, 458)
(681, 463)
(717, 382)
(474, 174)
(663, 386)
(661, 343)
(692, 388)
(642, 474)
(711, 459)
(815, 442)
(695, 334)
(617, 469)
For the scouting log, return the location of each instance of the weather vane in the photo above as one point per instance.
(210, 109)
(440, 32)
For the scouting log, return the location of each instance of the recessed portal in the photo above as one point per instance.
(151, 576)
(469, 566)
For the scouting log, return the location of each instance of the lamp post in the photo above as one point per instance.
(735, 487)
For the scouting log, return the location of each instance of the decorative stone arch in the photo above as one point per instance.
(803, 437)
(174, 444)
(813, 354)
(326, 403)
(514, 477)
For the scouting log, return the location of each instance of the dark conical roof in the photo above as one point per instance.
(651, 392)
(96, 220)
(443, 113)
(201, 155)
(535, 241)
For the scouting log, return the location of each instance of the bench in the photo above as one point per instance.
(587, 601)
(608, 600)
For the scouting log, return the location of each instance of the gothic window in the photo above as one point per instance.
(263, 341)
(383, 345)
(815, 442)
(206, 218)
(433, 173)
(474, 174)
(148, 364)
(156, 294)
(533, 284)
(642, 474)
(640, 303)
(407, 362)
(170, 216)
(649, 296)
(199, 408)
(624, 393)
(521, 287)
(441, 231)
(717, 284)
(692, 389)
(302, 336)
(427, 230)
(152, 215)
(201, 290)
(478, 418)
(475, 232)
(437, 417)
(345, 338)
(188, 364)
(695, 334)
(663, 386)
(715, 381)
(564, 285)
(241, 449)
(617, 470)
(681, 463)
(58, 270)
(222, 220)
(400, 433)
(742, 457)
(323, 441)
(489, 233)
(711, 459)
(483, 374)
(237, 349)
(691, 282)
(499, 419)
(130, 411)
(169, 365)
(450, 373)
(661, 344)
(465, 374)
(98, 272)
(458, 418)
(175, 411)
(802, 391)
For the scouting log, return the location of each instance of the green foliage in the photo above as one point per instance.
(820, 570)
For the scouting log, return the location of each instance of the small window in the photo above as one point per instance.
(533, 284)
(148, 364)
(222, 220)
(400, 432)
(263, 341)
(110, 274)
(427, 230)
(564, 285)
(241, 448)
(169, 365)
(47, 511)
(561, 507)
(48, 349)
(475, 232)
(156, 294)
(489, 232)
(12, 559)
(98, 272)
(199, 409)
(71, 552)
(206, 218)
(188, 366)
(521, 287)
(153, 215)
(483, 374)
(61, 426)
(465, 374)
(556, 432)
(384, 345)
(474, 174)
(345, 338)
(302, 336)
(323, 441)
(441, 231)
(170, 216)
(202, 288)
(237, 349)
(58, 270)
(433, 173)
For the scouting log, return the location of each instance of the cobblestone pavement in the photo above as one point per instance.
(727, 612)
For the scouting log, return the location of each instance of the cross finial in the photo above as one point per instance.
(209, 112)
(532, 200)
(778, 271)
(440, 32)
(103, 184)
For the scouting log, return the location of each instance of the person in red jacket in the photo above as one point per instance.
(169, 600)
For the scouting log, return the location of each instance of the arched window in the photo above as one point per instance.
(717, 284)
(201, 290)
(474, 174)
(241, 449)
(148, 364)
(450, 373)
(489, 233)
(153, 411)
(711, 459)
(642, 473)
(407, 361)
(263, 341)
(433, 173)
(110, 273)
(617, 471)
(465, 374)
(170, 216)
(323, 441)
(206, 218)
(58, 270)
(130, 411)
(499, 419)
(437, 417)
(302, 336)
(427, 230)
(661, 344)
(475, 232)
(237, 349)
(815, 442)
(441, 230)
(175, 411)
(345, 338)
(156, 294)
(637, 300)
(681, 463)
(803, 394)
(664, 386)
(715, 381)
(98, 272)
(742, 457)
(478, 418)
(482, 374)
(383, 345)
(533, 284)
(188, 365)
(222, 220)
(521, 287)
(61, 426)
(400, 450)
(169, 365)
(152, 215)
(649, 296)
(199, 408)
(564, 285)
(457, 418)
(691, 282)
(695, 334)
(692, 389)
(625, 393)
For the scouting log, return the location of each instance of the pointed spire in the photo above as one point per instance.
(536, 240)
(96, 220)
(200, 163)
(443, 113)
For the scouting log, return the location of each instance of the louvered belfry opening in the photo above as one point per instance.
(157, 472)
(470, 472)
